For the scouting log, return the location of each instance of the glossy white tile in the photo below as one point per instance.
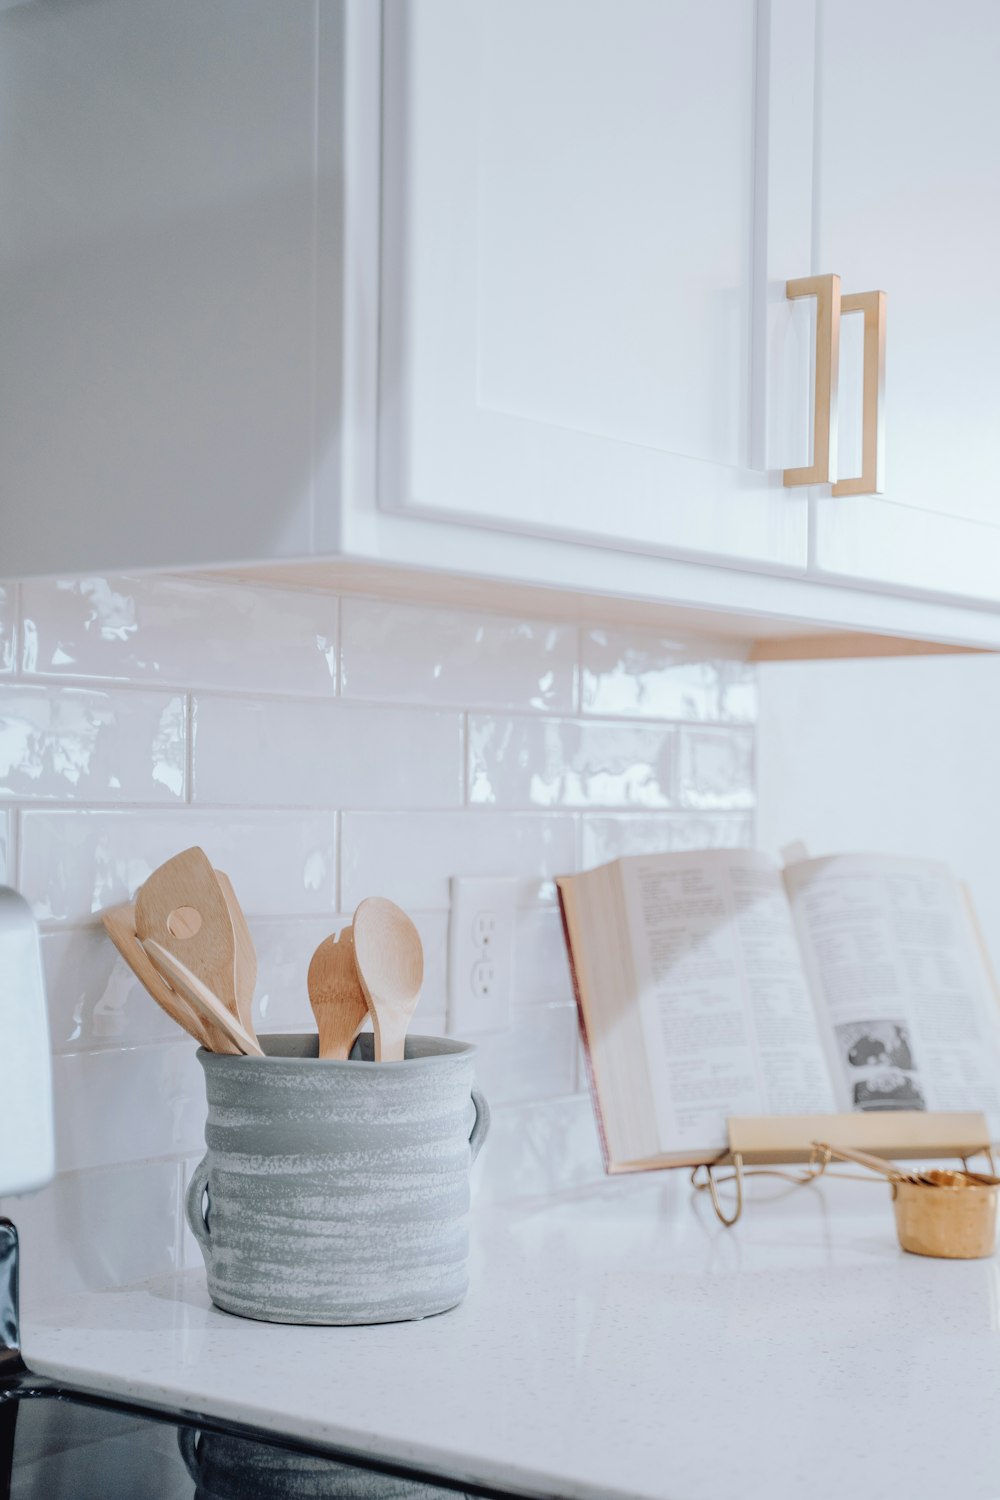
(522, 762)
(72, 744)
(534, 1059)
(93, 1231)
(93, 997)
(717, 768)
(7, 875)
(609, 837)
(538, 1149)
(410, 857)
(127, 1104)
(635, 673)
(541, 968)
(284, 948)
(251, 753)
(8, 616)
(192, 633)
(414, 654)
(74, 863)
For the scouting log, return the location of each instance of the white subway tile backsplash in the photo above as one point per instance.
(75, 863)
(521, 762)
(716, 768)
(253, 753)
(8, 608)
(411, 857)
(127, 1104)
(92, 746)
(94, 998)
(412, 654)
(461, 744)
(610, 837)
(192, 633)
(535, 1059)
(93, 1231)
(541, 968)
(641, 674)
(536, 1149)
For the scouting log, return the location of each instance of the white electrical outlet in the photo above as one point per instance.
(481, 953)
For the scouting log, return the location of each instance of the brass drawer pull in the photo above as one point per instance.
(826, 290)
(871, 480)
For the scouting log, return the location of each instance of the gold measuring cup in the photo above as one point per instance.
(950, 1214)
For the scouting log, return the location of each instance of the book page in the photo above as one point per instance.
(909, 1010)
(727, 1017)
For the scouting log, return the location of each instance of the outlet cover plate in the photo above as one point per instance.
(481, 953)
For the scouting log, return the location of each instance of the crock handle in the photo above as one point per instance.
(194, 1205)
(480, 1129)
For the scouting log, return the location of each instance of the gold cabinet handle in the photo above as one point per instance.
(871, 480)
(826, 290)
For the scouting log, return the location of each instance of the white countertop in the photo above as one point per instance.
(615, 1342)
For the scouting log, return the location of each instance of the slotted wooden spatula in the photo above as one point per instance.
(335, 994)
(182, 907)
(119, 923)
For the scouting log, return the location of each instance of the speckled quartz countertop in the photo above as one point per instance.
(615, 1342)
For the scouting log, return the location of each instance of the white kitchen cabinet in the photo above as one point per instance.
(589, 211)
(462, 300)
(907, 196)
(157, 263)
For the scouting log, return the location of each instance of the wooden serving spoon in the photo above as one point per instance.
(119, 923)
(198, 995)
(390, 960)
(335, 994)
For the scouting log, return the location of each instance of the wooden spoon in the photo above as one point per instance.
(245, 964)
(390, 960)
(182, 907)
(119, 923)
(336, 996)
(209, 1006)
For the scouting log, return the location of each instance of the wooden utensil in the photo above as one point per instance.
(119, 923)
(335, 994)
(245, 965)
(390, 961)
(182, 907)
(209, 1006)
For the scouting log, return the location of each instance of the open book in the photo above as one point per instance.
(716, 984)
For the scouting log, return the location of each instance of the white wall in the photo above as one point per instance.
(897, 756)
(321, 750)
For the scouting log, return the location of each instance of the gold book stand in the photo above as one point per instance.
(762, 1142)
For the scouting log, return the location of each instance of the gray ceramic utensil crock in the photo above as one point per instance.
(337, 1192)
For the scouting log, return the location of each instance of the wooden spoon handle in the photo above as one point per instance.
(198, 994)
(390, 1035)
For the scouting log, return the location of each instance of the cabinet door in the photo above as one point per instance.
(908, 201)
(590, 208)
(157, 332)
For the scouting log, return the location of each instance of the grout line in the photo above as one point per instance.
(189, 749)
(338, 674)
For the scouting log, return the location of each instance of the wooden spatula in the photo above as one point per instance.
(182, 907)
(336, 996)
(119, 923)
(245, 965)
(201, 998)
(390, 960)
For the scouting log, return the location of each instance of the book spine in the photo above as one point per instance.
(584, 1042)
